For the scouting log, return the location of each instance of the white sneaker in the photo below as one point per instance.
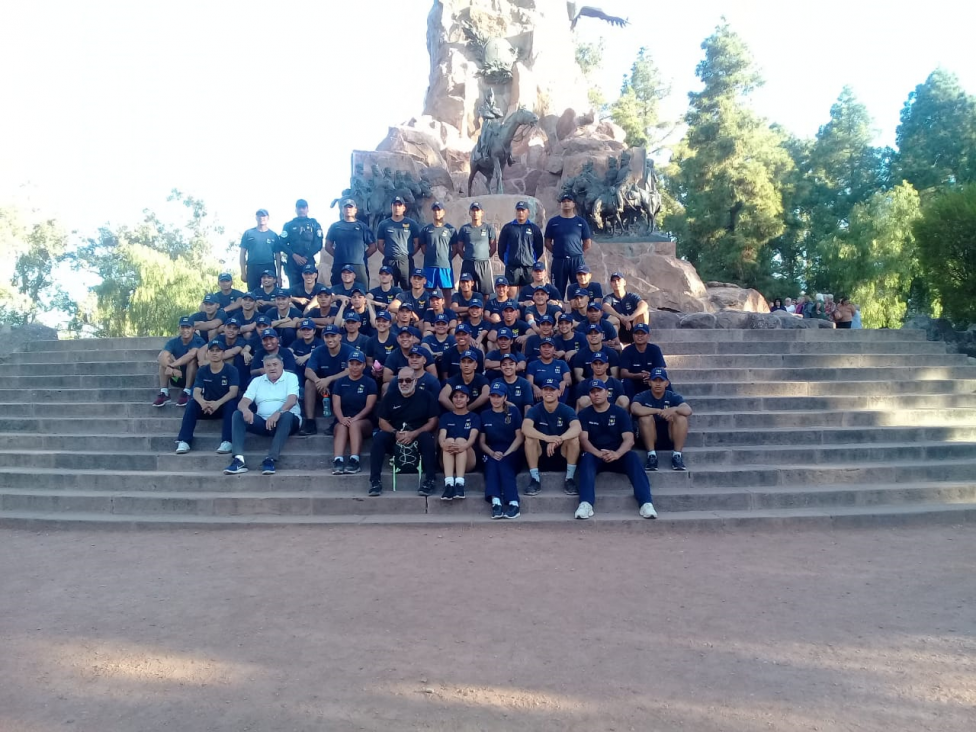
(225, 448)
(584, 511)
(182, 448)
(647, 511)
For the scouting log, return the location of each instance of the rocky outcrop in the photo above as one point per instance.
(722, 295)
(15, 337)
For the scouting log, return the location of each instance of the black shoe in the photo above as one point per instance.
(497, 511)
(458, 491)
(353, 467)
(427, 488)
(512, 512)
(375, 488)
(338, 466)
(533, 488)
(330, 430)
(651, 463)
(268, 467)
(308, 428)
(448, 494)
(677, 462)
(570, 488)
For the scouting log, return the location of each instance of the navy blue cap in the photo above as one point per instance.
(383, 315)
(522, 204)
(566, 197)
(642, 328)
(501, 280)
(331, 330)
(546, 341)
(209, 299)
(436, 205)
(437, 293)
(352, 317)
(301, 203)
(415, 332)
(357, 355)
(617, 276)
(474, 205)
(540, 288)
(357, 288)
(547, 318)
(466, 277)
(509, 357)
(510, 305)
(659, 373)
(579, 292)
(184, 321)
(504, 333)
(347, 268)
(469, 354)
(476, 302)
(319, 287)
(262, 212)
(232, 321)
(386, 270)
(564, 317)
(262, 320)
(463, 328)
(441, 318)
(309, 269)
(398, 199)
(593, 305)
(498, 388)
(595, 384)
(539, 266)
(269, 273)
(348, 202)
(269, 333)
(598, 356)
(406, 306)
(582, 268)
(594, 328)
(418, 351)
(225, 277)
(550, 383)
(462, 389)
(249, 296)
(417, 272)
(307, 324)
(216, 343)
(281, 292)
(405, 330)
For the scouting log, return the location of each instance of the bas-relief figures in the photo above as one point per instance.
(616, 204)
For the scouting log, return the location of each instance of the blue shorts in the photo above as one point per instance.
(442, 277)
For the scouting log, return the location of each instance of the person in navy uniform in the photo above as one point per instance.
(568, 238)
(469, 377)
(327, 365)
(383, 295)
(520, 245)
(381, 345)
(638, 360)
(303, 294)
(551, 430)
(264, 296)
(501, 441)
(227, 297)
(209, 319)
(215, 390)
(540, 307)
(436, 302)
(178, 364)
(519, 389)
(301, 240)
(595, 316)
(624, 309)
(662, 417)
(406, 416)
(397, 239)
(546, 328)
(549, 368)
(285, 317)
(438, 241)
(416, 296)
(237, 351)
(458, 432)
(504, 346)
(607, 437)
(461, 300)
(353, 399)
(539, 280)
(477, 244)
(451, 360)
(247, 317)
(271, 346)
(594, 344)
(584, 279)
(305, 343)
(259, 251)
(350, 243)
(616, 392)
(568, 341)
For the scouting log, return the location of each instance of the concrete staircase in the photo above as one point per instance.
(791, 427)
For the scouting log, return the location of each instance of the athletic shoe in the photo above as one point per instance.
(308, 428)
(459, 491)
(497, 511)
(448, 494)
(512, 512)
(268, 467)
(533, 488)
(183, 399)
(352, 467)
(427, 488)
(570, 488)
(330, 430)
(647, 511)
(584, 511)
(225, 448)
(651, 463)
(677, 462)
(161, 400)
(375, 488)
(182, 448)
(236, 467)
(338, 466)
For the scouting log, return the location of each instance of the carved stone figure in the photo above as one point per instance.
(615, 204)
(587, 11)
(498, 154)
(496, 56)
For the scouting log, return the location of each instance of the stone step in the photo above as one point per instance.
(288, 479)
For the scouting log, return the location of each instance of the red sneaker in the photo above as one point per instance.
(161, 400)
(183, 399)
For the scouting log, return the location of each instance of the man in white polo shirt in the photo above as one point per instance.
(275, 398)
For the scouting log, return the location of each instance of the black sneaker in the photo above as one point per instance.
(268, 467)
(512, 512)
(651, 463)
(338, 466)
(448, 494)
(427, 488)
(533, 488)
(677, 462)
(353, 467)
(459, 491)
(375, 488)
(570, 488)
(497, 511)
(308, 428)
(236, 467)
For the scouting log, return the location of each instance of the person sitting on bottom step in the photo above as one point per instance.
(501, 440)
(551, 431)
(662, 418)
(215, 392)
(353, 399)
(606, 439)
(459, 430)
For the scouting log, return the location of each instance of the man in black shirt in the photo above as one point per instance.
(301, 240)
(397, 238)
(215, 393)
(663, 419)
(520, 245)
(350, 243)
(406, 416)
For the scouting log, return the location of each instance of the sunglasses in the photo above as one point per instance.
(404, 381)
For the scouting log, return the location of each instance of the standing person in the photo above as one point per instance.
(275, 398)
(844, 313)
(501, 440)
(477, 243)
(663, 419)
(178, 364)
(301, 240)
(215, 390)
(551, 430)
(458, 432)
(607, 437)
(520, 245)
(438, 241)
(353, 399)
(259, 251)
(397, 240)
(406, 416)
(350, 243)
(568, 238)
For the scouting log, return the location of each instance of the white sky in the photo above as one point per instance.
(110, 104)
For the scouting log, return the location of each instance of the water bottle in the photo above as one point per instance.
(327, 405)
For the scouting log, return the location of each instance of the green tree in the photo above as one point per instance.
(589, 57)
(638, 109)
(729, 169)
(33, 254)
(937, 135)
(946, 236)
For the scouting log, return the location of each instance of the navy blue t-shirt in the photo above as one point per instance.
(419, 303)
(541, 371)
(260, 246)
(396, 360)
(668, 400)
(609, 332)
(385, 297)
(216, 385)
(359, 344)
(478, 328)
(635, 361)
(476, 241)
(179, 349)
(351, 239)
(325, 364)
(429, 382)
(438, 347)
(526, 293)
(461, 301)
(459, 425)
(499, 427)
(229, 299)
(531, 347)
(626, 305)
(353, 394)
(567, 235)
(574, 343)
(380, 351)
(239, 342)
(519, 328)
(398, 236)
(554, 423)
(583, 355)
(438, 243)
(552, 311)
(478, 383)
(202, 317)
(605, 430)
(430, 316)
(615, 389)
(520, 393)
(496, 305)
(595, 290)
(300, 348)
(287, 358)
(496, 355)
(451, 362)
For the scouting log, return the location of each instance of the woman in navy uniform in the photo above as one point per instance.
(501, 442)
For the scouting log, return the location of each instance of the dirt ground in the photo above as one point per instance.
(505, 627)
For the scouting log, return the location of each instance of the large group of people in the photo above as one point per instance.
(540, 368)
(842, 313)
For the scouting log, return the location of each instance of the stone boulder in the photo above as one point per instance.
(664, 319)
(731, 319)
(733, 297)
(698, 321)
(418, 144)
(763, 321)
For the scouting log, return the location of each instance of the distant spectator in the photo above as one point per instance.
(778, 305)
(844, 314)
(856, 322)
(819, 313)
(788, 306)
(829, 306)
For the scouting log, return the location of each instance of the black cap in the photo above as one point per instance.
(523, 205)
(566, 197)
(474, 205)
(349, 203)
(398, 199)
(301, 203)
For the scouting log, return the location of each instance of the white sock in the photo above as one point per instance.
(496, 502)
(239, 457)
(677, 452)
(449, 481)
(164, 391)
(570, 471)
(513, 503)
(652, 453)
(186, 391)
(354, 457)
(459, 481)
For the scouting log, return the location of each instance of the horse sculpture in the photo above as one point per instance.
(489, 159)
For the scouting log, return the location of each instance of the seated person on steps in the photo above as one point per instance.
(662, 416)
(551, 431)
